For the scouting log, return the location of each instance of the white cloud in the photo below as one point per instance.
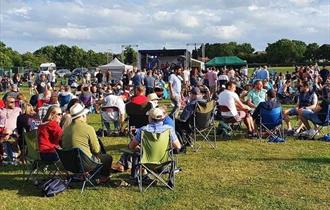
(70, 33)
(106, 24)
(223, 32)
(302, 3)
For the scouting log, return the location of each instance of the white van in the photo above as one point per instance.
(45, 67)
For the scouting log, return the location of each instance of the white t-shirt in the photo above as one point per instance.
(176, 84)
(228, 98)
(186, 75)
(115, 101)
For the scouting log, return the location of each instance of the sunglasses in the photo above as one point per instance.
(59, 114)
(11, 102)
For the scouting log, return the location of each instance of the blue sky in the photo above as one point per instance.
(152, 24)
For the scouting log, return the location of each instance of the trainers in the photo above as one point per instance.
(309, 133)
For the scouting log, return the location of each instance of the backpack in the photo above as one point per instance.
(224, 130)
(54, 186)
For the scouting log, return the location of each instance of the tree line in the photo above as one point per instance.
(283, 52)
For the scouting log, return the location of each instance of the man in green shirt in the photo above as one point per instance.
(256, 95)
(81, 135)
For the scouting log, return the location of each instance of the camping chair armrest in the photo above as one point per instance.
(128, 151)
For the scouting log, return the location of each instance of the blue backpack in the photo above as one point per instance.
(54, 186)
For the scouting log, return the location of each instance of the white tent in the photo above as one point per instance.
(116, 68)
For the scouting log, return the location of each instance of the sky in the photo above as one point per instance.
(107, 25)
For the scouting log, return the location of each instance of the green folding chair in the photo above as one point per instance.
(33, 156)
(203, 124)
(156, 157)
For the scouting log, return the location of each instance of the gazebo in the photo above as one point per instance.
(226, 61)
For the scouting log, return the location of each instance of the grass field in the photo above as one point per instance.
(238, 174)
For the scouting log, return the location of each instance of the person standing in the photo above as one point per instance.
(175, 90)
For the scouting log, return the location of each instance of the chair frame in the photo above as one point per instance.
(87, 177)
(167, 167)
(103, 121)
(38, 165)
(233, 125)
(205, 132)
(271, 132)
(326, 123)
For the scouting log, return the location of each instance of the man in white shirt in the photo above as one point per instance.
(113, 110)
(175, 90)
(237, 109)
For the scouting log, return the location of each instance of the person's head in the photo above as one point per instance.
(78, 111)
(153, 99)
(177, 70)
(195, 93)
(258, 85)
(28, 109)
(42, 77)
(304, 87)
(140, 90)
(271, 94)
(71, 103)
(231, 86)
(10, 102)
(53, 113)
(53, 98)
(156, 115)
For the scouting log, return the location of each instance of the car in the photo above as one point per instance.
(80, 72)
(63, 73)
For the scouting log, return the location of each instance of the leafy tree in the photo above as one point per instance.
(48, 52)
(130, 56)
(324, 52)
(311, 52)
(286, 51)
(6, 62)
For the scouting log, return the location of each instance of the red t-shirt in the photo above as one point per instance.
(139, 100)
(49, 136)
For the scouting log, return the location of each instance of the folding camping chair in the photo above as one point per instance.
(270, 121)
(230, 122)
(33, 155)
(75, 161)
(157, 158)
(203, 123)
(108, 115)
(325, 123)
(137, 115)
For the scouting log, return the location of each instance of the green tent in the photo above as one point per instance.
(226, 61)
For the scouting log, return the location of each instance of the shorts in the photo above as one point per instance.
(312, 116)
(240, 115)
(293, 111)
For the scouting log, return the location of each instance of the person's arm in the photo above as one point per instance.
(249, 100)
(94, 143)
(174, 140)
(133, 144)
(313, 106)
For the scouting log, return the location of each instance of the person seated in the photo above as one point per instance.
(269, 104)
(113, 110)
(137, 108)
(156, 125)
(8, 122)
(49, 134)
(65, 97)
(307, 100)
(27, 121)
(182, 124)
(86, 97)
(81, 135)
(318, 116)
(256, 95)
(237, 110)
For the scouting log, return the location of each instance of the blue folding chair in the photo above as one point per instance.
(271, 122)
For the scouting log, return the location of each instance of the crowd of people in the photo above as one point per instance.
(59, 110)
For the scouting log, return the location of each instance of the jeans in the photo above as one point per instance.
(177, 105)
(49, 156)
(8, 148)
(115, 123)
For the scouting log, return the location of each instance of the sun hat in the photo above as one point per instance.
(156, 114)
(153, 96)
(78, 110)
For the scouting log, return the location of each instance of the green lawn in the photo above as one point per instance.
(238, 174)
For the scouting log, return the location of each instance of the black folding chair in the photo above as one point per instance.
(75, 161)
